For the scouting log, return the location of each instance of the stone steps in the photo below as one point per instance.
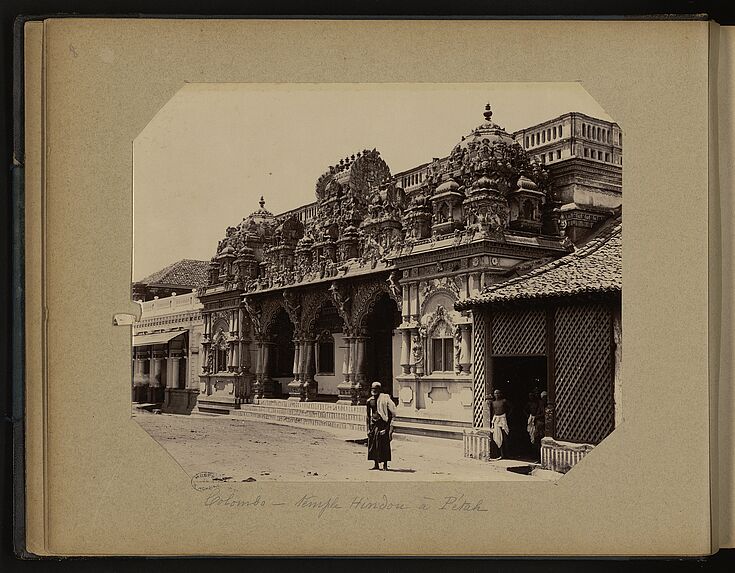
(311, 406)
(214, 406)
(431, 429)
(339, 416)
(306, 417)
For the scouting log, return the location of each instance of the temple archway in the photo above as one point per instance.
(280, 365)
(378, 326)
(327, 333)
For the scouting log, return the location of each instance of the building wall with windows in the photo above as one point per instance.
(573, 135)
(166, 352)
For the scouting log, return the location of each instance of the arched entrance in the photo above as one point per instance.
(379, 325)
(326, 330)
(281, 364)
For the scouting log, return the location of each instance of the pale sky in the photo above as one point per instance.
(204, 160)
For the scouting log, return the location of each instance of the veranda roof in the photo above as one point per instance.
(184, 273)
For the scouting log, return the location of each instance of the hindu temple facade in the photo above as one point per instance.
(315, 304)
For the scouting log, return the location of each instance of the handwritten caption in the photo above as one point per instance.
(219, 495)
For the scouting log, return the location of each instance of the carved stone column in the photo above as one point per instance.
(169, 371)
(270, 389)
(266, 359)
(352, 359)
(239, 366)
(294, 387)
(258, 382)
(417, 353)
(344, 389)
(415, 303)
(207, 327)
(475, 286)
(233, 356)
(172, 372)
(465, 360)
(359, 382)
(137, 378)
(137, 369)
(406, 304)
(155, 388)
(406, 351)
(309, 384)
(205, 357)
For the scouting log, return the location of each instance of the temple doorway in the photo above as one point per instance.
(380, 323)
(517, 376)
(327, 332)
(281, 365)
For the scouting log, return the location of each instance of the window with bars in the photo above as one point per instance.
(442, 354)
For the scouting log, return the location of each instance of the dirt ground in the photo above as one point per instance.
(244, 450)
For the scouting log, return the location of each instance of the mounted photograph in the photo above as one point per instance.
(378, 282)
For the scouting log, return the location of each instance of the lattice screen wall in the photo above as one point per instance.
(519, 333)
(585, 410)
(479, 331)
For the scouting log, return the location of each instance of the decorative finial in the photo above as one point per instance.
(261, 202)
(488, 113)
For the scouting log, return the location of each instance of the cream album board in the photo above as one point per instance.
(308, 278)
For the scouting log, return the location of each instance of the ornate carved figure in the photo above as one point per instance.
(293, 308)
(255, 314)
(341, 302)
(457, 348)
(395, 288)
(417, 350)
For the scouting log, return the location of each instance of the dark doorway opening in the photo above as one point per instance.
(517, 376)
(281, 365)
(380, 324)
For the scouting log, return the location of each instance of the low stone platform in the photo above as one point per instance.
(147, 406)
(337, 416)
(561, 456)
(214, 405)
(431, 428)
(324, 414)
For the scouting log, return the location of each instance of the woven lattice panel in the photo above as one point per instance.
(585, 409)
(479, 331)
(520, 333)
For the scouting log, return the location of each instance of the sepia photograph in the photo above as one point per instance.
(378, 282)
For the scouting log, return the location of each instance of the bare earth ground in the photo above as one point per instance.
(255, 451)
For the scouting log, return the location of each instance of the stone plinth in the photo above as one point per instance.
(179, 400)
(562, 456)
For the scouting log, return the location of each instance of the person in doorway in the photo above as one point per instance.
(380, 414)
(536, 419)
(500, 408)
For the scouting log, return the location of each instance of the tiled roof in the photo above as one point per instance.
(595, 267)
(184, 273)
